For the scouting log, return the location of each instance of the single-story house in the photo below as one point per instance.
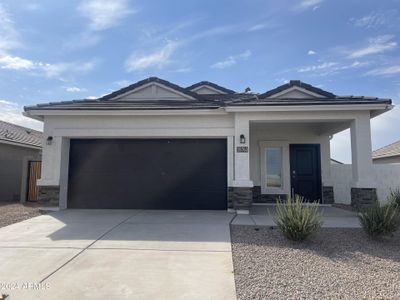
(157, 145)
(20, 162)
(389, 154)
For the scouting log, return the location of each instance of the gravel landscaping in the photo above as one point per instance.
(13, 212)
(333, 264)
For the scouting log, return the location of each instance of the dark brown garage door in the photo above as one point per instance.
(148, 173)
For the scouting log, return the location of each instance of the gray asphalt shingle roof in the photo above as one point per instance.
(20, 135)
(213, 85)
(297, 83)
(387, 151)
(107, 102)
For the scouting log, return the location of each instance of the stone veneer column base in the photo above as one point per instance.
(362, 198)
(328, 196)
(240, 198)
(258, 197)
(49, 195)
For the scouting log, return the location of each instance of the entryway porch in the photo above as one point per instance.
(279, 154)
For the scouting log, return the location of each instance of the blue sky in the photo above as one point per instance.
(56, 50)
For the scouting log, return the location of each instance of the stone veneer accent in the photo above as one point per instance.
(49, 195)
(328, 196)
(265, 198)
(240, 197)
(362, 198)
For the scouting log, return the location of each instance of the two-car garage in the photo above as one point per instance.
(148, 174)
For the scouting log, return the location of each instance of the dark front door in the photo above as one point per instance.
(305, 170)
(148, 173)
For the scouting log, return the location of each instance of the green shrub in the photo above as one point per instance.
(297, 219)
(380, 220)
(394, 197)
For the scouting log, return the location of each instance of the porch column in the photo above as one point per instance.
(54, 170)
(363, 191)
(241, 191)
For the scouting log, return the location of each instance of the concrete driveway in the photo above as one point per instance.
(118, 254)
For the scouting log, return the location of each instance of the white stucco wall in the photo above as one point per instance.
(385, 177)
(292, 134)
(63, 128)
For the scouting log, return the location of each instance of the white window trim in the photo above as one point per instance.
(285, 167)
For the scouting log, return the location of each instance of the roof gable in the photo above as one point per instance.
(296, 89)
(207, 88)
(151, 89)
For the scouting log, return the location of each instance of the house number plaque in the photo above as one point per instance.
(242, 149)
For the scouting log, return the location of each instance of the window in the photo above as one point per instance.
(273, 168)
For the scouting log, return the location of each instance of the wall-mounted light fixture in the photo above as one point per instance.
(242, 139)
(49, 140)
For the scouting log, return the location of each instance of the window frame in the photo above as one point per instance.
(285, 165)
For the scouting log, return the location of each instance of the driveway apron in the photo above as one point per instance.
(118, 254)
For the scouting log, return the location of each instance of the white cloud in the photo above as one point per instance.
(376, 45)
(9, 40)
(92, 97)
(327, 68)
(74, 89)
(15, 63)
(322, 66)
(257, 27)
(46, 69)
(12, 112)
(377, 19)
(9, 37)
(182, 70)
(311, 52)
(307, 4)
(231, 60)
(157, 59)
(58, 69)
(391, 70)
(104, 14)
(370, 21)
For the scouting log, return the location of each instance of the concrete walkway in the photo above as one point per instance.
(118, 254)
(333, 217)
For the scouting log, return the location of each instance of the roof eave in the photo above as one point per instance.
(13, 143)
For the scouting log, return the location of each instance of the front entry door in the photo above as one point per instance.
(305, 170)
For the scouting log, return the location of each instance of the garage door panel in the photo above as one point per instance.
(148, 174)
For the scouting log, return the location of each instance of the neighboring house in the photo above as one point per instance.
(389, 154)
(20, 156)
(156, 145)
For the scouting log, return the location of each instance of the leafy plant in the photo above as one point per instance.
(297, 219)
(394, 197)
(380, 220)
